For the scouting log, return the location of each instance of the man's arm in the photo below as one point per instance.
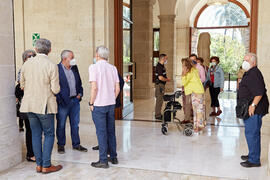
(117, 89)
(54, 80)
(93, 91)
(251, 108)
(161, 78)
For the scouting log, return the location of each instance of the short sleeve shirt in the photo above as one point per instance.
(106, 76)
(252, 85)
(160, 71)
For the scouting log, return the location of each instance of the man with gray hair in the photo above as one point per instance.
(252, 93)
(68, 100)
(40, 82)
(104, 91)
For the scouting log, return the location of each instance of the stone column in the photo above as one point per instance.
(10, 145)
(167, 43)
(142, 48)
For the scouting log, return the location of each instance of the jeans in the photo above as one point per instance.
(42, 123)
(103, 117)
(72, 110)
(253, 137)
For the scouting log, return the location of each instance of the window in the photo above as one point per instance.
(226, 15)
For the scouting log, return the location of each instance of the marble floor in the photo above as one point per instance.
(145, 153)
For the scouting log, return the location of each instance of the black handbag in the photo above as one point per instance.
(242, 108)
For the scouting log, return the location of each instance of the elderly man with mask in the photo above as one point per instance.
(104, 91)
(68, 100)
(252, 87)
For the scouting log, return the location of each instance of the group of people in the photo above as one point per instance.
(196, 77)
(46, 90)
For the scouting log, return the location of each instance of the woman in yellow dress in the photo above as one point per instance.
(193, 85)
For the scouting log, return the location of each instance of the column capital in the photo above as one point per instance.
(169, 17)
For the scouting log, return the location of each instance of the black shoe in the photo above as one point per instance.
(95, 148)
(113, 160)
(248, 164)
(21, 130)
(80, 148)
(61, 149)
(244, 158)
(100, 165)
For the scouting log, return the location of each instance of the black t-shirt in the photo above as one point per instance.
(251, 85)
(160, 71)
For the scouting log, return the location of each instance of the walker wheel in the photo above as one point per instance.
(164, 130)
(188, 131)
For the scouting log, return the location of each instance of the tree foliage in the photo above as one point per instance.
(230, 51)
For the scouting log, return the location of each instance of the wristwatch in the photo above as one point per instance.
(253, 105)
(90, 104)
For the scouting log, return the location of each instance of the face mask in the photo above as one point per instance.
(213, 64)
(94, 61)
(246, 66)
(166, 62)
(72, 62)
(194, 62)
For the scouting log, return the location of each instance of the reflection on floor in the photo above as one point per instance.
(144, 153)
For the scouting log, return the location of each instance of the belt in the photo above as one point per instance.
(71, 97)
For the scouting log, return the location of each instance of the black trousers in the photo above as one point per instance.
(214, 92)
(28, 138)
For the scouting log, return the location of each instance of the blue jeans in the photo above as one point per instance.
(103, 117)
(42, 123)
(253, 136)
(72, 110)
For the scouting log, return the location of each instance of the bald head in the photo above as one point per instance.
(251, 58)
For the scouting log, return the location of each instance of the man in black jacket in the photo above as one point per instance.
(252, 86)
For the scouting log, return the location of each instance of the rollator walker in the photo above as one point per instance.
(169, 115)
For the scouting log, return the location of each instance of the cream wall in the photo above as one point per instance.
(79, 25)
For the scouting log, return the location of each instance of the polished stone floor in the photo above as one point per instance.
(145, 153)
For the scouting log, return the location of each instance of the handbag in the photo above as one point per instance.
(242, 108)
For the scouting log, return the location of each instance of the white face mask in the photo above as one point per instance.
(246, 66)
(213, 63)
(166, 62)
(94, 60)
(72, 62)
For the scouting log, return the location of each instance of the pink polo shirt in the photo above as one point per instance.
(106, 76)
(201, 72)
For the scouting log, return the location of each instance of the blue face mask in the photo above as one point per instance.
(195, 62)
(94, 60)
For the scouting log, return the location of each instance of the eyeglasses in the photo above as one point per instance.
(30, 55)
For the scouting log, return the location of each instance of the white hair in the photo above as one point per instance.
(103, 52)
(65, 54)
(253, 57)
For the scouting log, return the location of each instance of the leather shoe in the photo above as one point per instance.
(248, 164)
(39, 169)
(61, 149)
(218, 113)
(51, 169)
(100, 165)
(244, 158)
(95, 148)
(113, 160)
(80, 148)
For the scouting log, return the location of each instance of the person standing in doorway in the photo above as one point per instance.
(216, 77)
(40, 82)
(68, 100)
(160, 80)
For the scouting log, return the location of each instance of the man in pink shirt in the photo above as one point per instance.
(104, 90)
